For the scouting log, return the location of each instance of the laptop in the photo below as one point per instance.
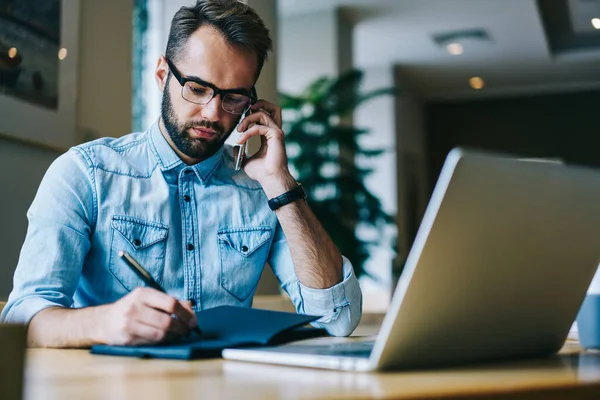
(498, 270)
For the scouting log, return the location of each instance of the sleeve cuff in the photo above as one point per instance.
(23, 311)
(329, 302)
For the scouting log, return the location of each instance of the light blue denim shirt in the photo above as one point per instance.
(204, 232)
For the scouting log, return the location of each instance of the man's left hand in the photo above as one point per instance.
(269, 166)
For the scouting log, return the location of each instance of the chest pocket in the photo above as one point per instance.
(145, 241)
(243, 252)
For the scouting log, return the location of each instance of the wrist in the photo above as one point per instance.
(276, 185)
(101, 316)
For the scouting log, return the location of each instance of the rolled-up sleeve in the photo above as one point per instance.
(339, 306)
(57, 240)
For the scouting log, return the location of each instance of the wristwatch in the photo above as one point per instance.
(288, 197)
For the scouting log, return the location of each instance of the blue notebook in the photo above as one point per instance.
(223, 327)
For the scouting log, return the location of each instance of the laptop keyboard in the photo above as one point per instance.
(352, 349)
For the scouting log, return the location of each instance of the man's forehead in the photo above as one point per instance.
(207, 55)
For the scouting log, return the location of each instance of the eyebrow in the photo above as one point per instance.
(202, 81)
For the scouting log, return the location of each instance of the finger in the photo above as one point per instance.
(164, 302)
(149, 335)
(144, 334)
(188, 306)
(260, 153)
(273, 110)
(261, 130)
(161, 320)
(260, 118)
(255, 130)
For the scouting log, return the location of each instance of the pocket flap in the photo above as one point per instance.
(245, 240)
(139, 233)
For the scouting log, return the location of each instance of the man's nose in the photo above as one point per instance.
(211, 111)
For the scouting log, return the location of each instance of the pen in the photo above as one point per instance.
(147, 278)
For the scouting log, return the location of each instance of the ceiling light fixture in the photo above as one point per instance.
(596, 23)
(456, 49)
(12, 52)
(458, 41)
(476, 83)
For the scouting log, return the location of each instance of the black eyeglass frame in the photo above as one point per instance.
(182, 79)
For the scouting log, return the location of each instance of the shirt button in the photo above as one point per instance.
(190, 247)
(192, 302)
(187, 198)
(187, 171)
(137, 242)
(244, 249)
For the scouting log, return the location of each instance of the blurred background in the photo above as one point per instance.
(516, 76)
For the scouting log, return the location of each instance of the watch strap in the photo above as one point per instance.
(287, 197)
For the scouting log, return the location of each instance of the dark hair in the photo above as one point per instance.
(238, 22)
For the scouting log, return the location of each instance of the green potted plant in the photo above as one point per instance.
(322, 146)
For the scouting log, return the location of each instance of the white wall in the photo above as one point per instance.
(308, 48)
(379, 116)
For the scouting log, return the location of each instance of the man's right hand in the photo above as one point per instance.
(145, 316)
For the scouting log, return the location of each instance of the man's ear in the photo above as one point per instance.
(161, 73)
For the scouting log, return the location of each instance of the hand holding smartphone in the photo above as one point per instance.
(254, 144)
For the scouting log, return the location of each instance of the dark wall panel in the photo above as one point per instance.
(565, 126)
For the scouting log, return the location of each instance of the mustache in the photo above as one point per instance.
(204, 124)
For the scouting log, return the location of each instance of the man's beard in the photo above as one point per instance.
(200, 148)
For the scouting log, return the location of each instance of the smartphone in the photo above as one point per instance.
(241, 155)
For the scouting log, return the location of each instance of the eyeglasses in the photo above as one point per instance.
(197, 91)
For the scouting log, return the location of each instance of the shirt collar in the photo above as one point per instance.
(169, 160)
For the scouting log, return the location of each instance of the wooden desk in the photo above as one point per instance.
(76, 374)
